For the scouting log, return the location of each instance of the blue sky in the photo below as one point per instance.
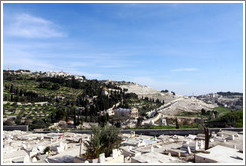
(185, 48)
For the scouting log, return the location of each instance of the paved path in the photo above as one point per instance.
(160, 111)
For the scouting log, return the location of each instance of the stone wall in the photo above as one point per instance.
(15, 127)
(183, 120)
(157, 132)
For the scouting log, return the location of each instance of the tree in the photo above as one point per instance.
(9, 122)
(207, 136)
(38, 124)
(21, 92)
(164, 91)
(47, 149)
(177, 123)
(28, 122)
(140, 120)
(103, 140)
(118, 124)
(203, 111)
(202, 127)
(45, 85)
(102, 120)
(11, 88)
(18, 120)
(55, 87)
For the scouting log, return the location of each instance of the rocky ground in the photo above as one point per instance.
(179, 103)
(145, 91)
(187, 105)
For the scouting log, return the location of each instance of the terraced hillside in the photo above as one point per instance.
(40, 100)
(180, 104)
(145, 91)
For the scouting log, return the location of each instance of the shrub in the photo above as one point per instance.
(38, 124)
(231, 119)
(47, 149)
(9, 122)
(55, 87)
(104, 140)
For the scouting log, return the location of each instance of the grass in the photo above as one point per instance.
(188, 114)
(29, 111)
(195, 126)
(34, 86)
(230, 119)
(222, 111)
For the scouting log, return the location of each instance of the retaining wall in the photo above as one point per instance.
(15, 127)
(158, 132)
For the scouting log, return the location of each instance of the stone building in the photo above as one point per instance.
(134, 113)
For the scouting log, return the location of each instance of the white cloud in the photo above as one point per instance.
(184, 69)
(19, 58)
(31, 64)
(28, 26)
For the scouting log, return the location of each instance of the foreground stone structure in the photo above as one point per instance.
(28, 147)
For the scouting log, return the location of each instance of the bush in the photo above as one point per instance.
(45, 85)
(104, 140)
(47, 149)
(38, 124)
(231, 119)
(55, 87)
(9, 122)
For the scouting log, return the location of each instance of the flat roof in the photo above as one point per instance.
(223, 154)
(15, 154)
(155, 157)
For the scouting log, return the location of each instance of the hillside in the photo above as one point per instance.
(145, 91)
(181, 103)
(43, 99)
(232, 100)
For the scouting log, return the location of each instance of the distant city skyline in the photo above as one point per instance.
(188, 48)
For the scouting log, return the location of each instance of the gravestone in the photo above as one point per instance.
(34, 159)
(187, 142)
(202, 144)
(137, 154)
(152, 149)
(132, 133)
(163, 122)
(115, 153)
(94, 160)
(102, 158)
(196, 145)
(188, 149)
(231, 137)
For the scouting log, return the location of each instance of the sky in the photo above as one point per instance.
(188, 48)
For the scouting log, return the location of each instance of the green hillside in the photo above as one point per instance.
(40, 101)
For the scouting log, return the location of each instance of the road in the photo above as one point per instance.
(160, 111)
